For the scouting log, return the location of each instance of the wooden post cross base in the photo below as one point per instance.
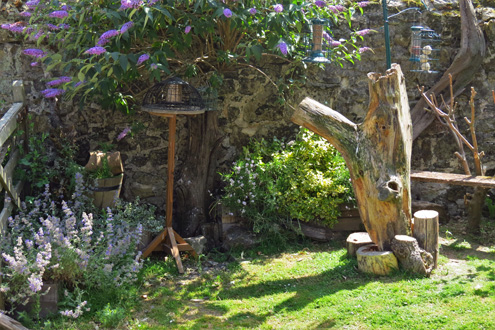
(171, 242)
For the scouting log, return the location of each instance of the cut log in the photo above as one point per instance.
(372, 261)
(411, 257)
(8, 323)
(355, 241)
(426, 232)
(377, 153)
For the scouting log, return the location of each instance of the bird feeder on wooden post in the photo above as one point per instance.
(170, 98)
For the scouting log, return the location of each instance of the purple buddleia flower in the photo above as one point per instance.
(34, 52)
(126, 4)
(154, 66)
(227, 12)
(52, 27)
(25, 14)
(340, 8)
(363, 32)
(32, 4)
(95, 50)
(320, 4)
(363, 4)
(102, 42)
(327, 36)
(283, 47)
(278, 8)
(142, 58)
(335, 43)
(252, 11)
(5, 26)
(35, 283)
(65, 7)
(187, 29)
(64, 26)
(52, 92)
(59, 14)
(365, 49)
(123, 133)
(126, 26)
(56, 82)
(109, 34)
(38, 35)
(33, 64)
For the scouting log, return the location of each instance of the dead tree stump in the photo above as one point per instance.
(426, 232)
(410, 256)
(372, 261)
(355, 241)
(377, 153)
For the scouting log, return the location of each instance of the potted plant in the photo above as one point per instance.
(108, 172)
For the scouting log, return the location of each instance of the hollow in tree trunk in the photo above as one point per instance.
(377, 153)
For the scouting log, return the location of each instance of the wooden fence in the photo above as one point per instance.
(13, 134)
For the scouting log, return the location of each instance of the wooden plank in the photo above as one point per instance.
(8, 123)
(6, 177)
(454, 179)
(4, 215)
(18, 91)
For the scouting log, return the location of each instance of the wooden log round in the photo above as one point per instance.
(372, 261)
(411, 257)
(355, 241)
(426, 232)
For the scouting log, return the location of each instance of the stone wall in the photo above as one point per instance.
(248, 107)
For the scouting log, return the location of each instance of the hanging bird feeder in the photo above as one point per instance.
(424, 49)
(318, 41)
(170, 98)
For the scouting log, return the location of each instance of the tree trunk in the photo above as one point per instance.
(377, 153)
(195, 177)
(464, 67)
(426, 232)
(372, 261)
(475, 203)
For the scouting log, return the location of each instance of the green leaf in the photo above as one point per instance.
(257, 51)
(123, 62)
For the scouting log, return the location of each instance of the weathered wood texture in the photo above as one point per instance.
(454, 179)
(426, 232)
(372, 261)
(377, 153)
(355, 241)
(411, 257)
(464, 67)
(7, 323)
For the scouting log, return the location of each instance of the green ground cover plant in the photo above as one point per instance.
(305, 285)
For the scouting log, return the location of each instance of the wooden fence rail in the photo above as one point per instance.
(13, 133)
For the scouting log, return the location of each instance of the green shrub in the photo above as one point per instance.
(305, 179)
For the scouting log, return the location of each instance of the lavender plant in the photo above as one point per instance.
(52, 242)
(105, 50)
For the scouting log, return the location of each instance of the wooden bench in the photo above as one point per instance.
(454, 179)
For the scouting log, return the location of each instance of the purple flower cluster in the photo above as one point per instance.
(154, 66)
(95, 50)
(227, 12)
(52, 92)
(128, 4)
(105, 37)
(17, 27)
(365, 49)
(38, 53)
(126, 26)
(59, 14)
(336, 9)
(25, 14)
(124, 133)
(278, 8)
(363, 4)
(32, 4)
(283, 47)
(320, 4)
(187, 29)
(142, 58)
(58, 81)
(252, 11)
(363, 32)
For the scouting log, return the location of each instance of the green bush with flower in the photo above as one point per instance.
(275, 182)
(106, 49)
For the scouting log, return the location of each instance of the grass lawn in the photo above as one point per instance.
(308, 286)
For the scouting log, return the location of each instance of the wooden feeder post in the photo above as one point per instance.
(168, 99)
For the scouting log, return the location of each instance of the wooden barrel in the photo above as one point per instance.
(106, 191)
